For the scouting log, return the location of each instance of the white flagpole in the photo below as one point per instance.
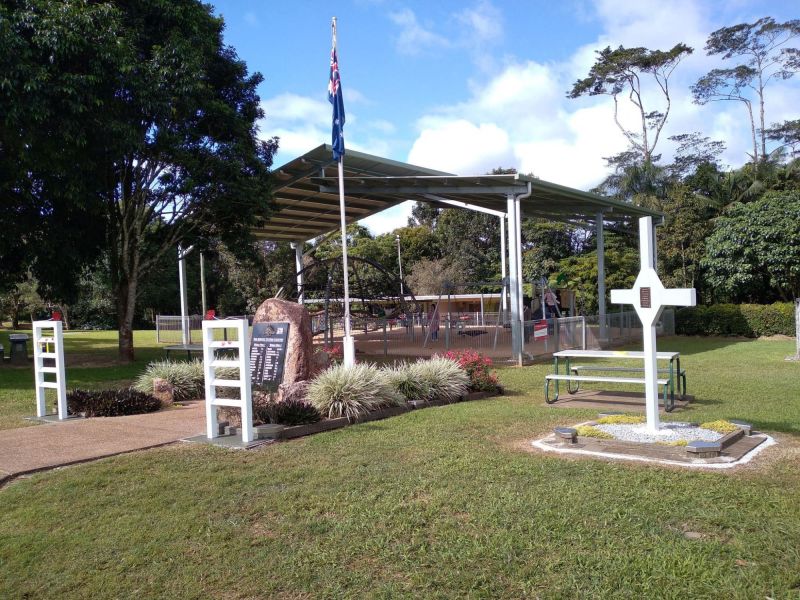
(348, 345)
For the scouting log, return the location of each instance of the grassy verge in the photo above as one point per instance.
(91, 363)
(444, 502)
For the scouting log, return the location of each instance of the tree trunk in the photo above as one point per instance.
(126, 303)
(762, 131)
(753, 132)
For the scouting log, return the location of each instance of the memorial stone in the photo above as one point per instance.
(299, 355)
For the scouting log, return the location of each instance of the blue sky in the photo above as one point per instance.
(467, 86)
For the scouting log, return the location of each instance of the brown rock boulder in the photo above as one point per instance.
(299, 348)
(163, 391)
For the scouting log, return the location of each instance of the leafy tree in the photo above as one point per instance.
(473, 239)
(432, 277)
(239, 285)
(48, 83)
(681, 242)
(643, 183)
(693, 151)
(547, 243)
(423, 215)
(21, 298)
(788, 133)
(416, 244)
(166, 116)
(754, 252)
(621, 71)
(622, 265)
(763, 49)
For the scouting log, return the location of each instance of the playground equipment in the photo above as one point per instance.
(375, 294)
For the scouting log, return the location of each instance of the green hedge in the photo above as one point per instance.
(748, 320)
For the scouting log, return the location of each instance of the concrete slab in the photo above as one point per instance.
(231, 442)
(68, 442)
(626, 402)
(740, 450)
(51, 418)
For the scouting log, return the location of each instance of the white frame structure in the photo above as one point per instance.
(242, 362)
(39, 356)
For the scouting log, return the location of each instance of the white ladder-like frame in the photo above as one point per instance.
(39, 356)
(242, 362)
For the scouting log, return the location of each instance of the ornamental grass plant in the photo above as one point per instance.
(446, 380)
(403, 378)
(186, 378)
(352, 391)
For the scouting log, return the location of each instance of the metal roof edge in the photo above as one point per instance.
(365, 156)
(605, 200)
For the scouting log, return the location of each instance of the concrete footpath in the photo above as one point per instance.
(48, 445)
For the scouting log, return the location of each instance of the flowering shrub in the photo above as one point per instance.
(334, 352)
(478, 368)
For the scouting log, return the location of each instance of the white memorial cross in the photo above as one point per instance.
(649, 297)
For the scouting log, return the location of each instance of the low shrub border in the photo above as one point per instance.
(110, 403)
(747, 320)
(288, 432)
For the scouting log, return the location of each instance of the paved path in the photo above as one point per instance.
(52, 445)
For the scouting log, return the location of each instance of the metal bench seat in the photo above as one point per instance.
(669, 401)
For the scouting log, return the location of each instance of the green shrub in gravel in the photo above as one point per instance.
(352, 391)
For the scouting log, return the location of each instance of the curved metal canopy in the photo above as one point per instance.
(307, 194)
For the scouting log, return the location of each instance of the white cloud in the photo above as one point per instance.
(303, 123)
(462, 147)
(414, 38)
(520, 115)
(389, 220)
(483, 21)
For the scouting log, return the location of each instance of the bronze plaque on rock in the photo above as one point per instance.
(268, 355)
(644, 297)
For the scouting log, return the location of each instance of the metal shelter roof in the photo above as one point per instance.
(307, 194)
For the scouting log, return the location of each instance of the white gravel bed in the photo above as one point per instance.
(669, 432)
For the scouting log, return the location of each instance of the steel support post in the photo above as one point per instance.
(601, 278)
(516, 330)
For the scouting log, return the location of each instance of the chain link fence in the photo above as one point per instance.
(488, 333)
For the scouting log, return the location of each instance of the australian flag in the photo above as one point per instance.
(335, 97)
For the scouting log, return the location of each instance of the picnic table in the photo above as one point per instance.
(188, 348)
(572, 373)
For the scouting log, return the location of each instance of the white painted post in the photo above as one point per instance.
(601, 277)
(649, 297)
(242, 362)
(503, 270)
(513, 285)
(39, 356)
(186, 340)
(521, 296)
(298, 267)
(203, 284)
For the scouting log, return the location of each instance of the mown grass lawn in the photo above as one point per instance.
(91, 363)
(445, 502)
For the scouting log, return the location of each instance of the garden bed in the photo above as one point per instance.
(288, 432)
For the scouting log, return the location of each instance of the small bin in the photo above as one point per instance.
(19, 348)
